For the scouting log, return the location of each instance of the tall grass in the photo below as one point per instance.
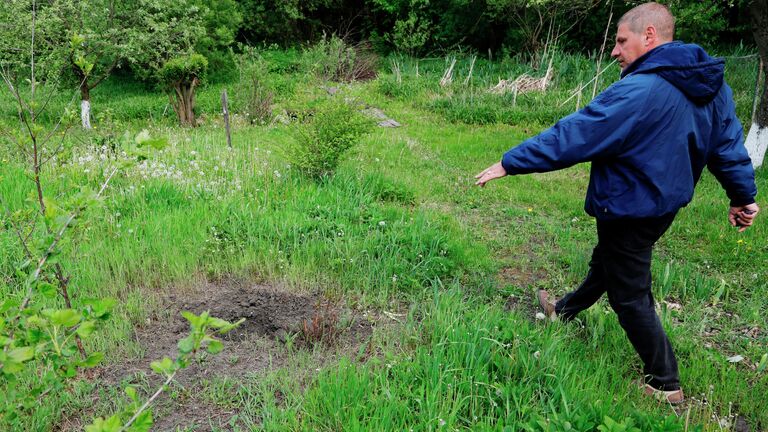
(400, 226)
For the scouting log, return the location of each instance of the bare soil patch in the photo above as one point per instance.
(273, 315)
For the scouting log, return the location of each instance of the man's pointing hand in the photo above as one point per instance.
(491, 173)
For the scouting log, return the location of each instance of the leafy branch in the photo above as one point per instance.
(137, 417)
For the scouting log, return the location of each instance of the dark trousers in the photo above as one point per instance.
(621, 266)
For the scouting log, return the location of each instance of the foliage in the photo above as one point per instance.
(334, 59)
(222, 20)
(282, 22)
(175, 28)
(183, 70)
(323, 139)
(181, 75)
(254, 76)
(46, 339)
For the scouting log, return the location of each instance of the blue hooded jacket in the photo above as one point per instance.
(649, 136)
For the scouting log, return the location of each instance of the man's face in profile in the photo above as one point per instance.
(629, 46)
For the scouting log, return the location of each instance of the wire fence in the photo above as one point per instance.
(742, 73)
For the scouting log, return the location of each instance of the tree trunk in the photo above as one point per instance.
(183, 102)
(757, 139)
(85, 102)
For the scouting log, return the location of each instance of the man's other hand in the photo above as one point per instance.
(491, 173)
(743, 216)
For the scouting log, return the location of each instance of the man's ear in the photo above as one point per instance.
(650, 35)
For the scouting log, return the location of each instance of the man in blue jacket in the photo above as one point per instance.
(648, 137)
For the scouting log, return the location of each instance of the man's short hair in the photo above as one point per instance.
(655, 14)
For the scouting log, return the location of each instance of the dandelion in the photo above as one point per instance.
(530, 209)
(382, 223)
(442, 422)
(740, 241)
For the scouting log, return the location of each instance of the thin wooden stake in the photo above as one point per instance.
(225, 108)
(578, 99)
(602, 50)
(588, 83)
(471, 68)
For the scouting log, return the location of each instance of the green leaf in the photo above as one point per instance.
(93, 359)
(217, 323)
(215, 346)
(193, 319)
(22, 354)
(231, 326)
(47, 289)
(8, 304)
(187, 344)
(143, 422)
(64, 317)
(131, 392)
(763, 363)
(164, 366)
(11, 367)
(86, 328)
(112, 424)
(101, 309)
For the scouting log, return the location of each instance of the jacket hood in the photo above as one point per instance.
(686, 66)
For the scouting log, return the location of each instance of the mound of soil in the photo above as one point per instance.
(272, 314)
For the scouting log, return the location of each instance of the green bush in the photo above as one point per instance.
(323, 139)
(183, 69)
(334, 59)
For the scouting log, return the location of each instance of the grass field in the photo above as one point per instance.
(430, 280)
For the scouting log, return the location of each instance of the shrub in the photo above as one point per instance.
(181, 76)
(334, 59)
(258, 106)
(322, 140)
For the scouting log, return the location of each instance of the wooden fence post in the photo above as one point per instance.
(225, 108)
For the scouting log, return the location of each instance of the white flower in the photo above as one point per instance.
(382, 223)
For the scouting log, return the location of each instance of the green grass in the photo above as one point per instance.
(401, 226)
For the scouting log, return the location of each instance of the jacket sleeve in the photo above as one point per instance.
(728, 159)
(597, 131)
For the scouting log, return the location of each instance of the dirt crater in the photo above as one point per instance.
(273, 314)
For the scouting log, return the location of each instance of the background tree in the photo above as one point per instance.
(221, 21)
(538, 22)
(89, 38)
(181, 76)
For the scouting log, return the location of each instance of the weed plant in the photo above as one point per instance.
(322, 139)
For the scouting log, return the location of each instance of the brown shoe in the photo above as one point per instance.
(674, 397)
(546, 305)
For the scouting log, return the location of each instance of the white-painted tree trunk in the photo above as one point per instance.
(85, 113)
(756, 143)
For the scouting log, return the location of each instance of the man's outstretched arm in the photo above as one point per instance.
(597, 131)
